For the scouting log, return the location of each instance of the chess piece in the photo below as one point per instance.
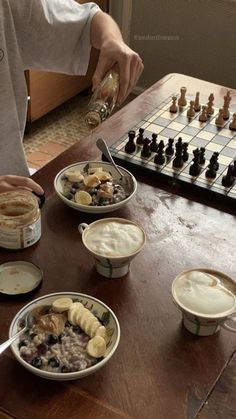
(153, 145)
(197, 106)
(210, 109)
(139, 140)
(173, 107)
(178, 160)
(170, 149)
(159, 157)
(191, 111)
(182, 100)
(130, 146)
(227, 99)
(213, 166)
(203, 115)
(146, 152)
(195, 168)
(215, 156)
(202, 159)
(220, 120)
(228, 180)
(185, 154)
(232, 125)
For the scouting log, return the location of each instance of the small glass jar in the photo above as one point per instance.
(20, 220)
(103, 99)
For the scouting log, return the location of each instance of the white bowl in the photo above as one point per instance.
(95, 209)
(101, 310)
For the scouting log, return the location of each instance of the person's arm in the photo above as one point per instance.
(106, 36)
(12, 182)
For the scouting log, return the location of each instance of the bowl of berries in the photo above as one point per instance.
(69, 336)
(94, 186)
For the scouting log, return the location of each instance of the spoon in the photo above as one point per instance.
(28, 324)
(125, 180)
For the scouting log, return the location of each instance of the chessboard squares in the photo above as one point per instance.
(224, 160)
(190, 130)
(211, 128)
(185, 137)
(197, 124)
(161, 121)
(214, 147)
(154, 128)
(144, 125)
(176, 126)
(169, 133)
(229, 152)
(155, 116)
(218, 139)
(232, 144)
(226, 133)
(199, 142)
(206, 135)
(168, 115)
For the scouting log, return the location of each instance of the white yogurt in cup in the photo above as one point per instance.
(207, 300)
(113, 242)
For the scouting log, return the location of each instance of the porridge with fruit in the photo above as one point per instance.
(92, 186)
(64, 337)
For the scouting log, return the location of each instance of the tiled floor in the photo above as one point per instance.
(56, 131)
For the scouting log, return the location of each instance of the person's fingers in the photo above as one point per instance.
(102, 68)
(135, 73)
(124, 70)
(20, 181)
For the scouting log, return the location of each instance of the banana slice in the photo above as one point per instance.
(93, 170)
(88, 323)
(72, 313)
(103, 176)
(96, 347)
(86, 315)
(74, 175)
(93, 328)
(83, 198)
(62, 304)
(102, 331)
(91, 181)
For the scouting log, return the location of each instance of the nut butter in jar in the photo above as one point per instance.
(20, 220)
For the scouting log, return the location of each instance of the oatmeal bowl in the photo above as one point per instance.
(94, 187)
(70, 336)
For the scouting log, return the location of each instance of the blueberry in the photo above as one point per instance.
(36, 362)
(65, 369)
(67, 324)
(75, 185)
(52, 339)
(23, 343)
(54, 362)
(73, 190)
(42, 349)
(76, 329)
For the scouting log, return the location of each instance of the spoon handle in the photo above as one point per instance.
(8, 342)
(105, 150)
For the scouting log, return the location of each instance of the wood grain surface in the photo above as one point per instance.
(159, 370)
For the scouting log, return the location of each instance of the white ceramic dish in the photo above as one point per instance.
(101, 310)
(94, 209)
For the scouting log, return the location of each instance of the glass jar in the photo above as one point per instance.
(20, 219)
(103, 99)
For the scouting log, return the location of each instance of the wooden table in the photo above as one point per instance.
(159, 370)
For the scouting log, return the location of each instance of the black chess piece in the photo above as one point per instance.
(185, 154)
(145, 152)
(234, 169)
(212, 167)
(130, 146)
(140, 138)
(160, 157)
(178, 160)
(216, 154)
(153, 145)
(228, 179)
(202, 159)
(195, 168)
(170, 149)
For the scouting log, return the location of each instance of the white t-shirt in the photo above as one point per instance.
(51, 35)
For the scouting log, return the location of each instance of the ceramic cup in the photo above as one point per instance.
(107, 265)
(207, 324)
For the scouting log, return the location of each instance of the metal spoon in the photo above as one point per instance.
(28, 324)
(125, 180)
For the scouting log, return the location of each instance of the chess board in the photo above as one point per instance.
(197, 134)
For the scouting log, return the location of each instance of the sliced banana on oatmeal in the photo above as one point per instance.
(73, 311)
(102, 331)
(96, 347)
(92, 180)
(62, 304)
(83, 198)
(74, 175)
(94, 170)
(103, 176)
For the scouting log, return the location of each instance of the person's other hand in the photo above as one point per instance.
(129, 63)
(12, 182)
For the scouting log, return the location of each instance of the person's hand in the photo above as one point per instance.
(12, 182)
(129, 63)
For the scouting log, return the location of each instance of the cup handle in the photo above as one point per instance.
(227, 327)
(82, 227)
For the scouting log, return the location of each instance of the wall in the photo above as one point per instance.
(194, 37)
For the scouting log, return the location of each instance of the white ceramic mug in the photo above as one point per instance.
(111, 266)
(206, 324)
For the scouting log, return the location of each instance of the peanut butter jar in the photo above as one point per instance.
(20, 220)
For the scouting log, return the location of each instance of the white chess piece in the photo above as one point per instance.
(232, 125)
(173, 107)
(197, 106)
(191, 111)
(182, 100)
(220, 120)
(210, 109)
(203, 115)
(227, 99)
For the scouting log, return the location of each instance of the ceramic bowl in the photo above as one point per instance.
(98, 308)
(106, 167)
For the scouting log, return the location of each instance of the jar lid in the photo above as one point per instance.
(19, 277)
